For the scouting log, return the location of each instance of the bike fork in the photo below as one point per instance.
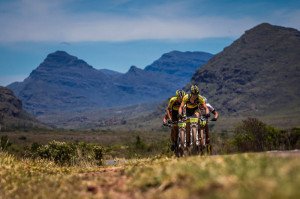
(191, 135)
(197, 137)
(184, 145)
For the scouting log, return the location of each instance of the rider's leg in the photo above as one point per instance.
(175, 134)
(207, 134)
(173, 140)
(174, 130)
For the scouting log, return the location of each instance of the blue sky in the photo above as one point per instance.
(116, 34)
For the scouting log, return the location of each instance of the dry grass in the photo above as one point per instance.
(230, 176)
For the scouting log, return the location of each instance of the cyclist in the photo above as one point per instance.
(192, 102)
(172, 114)
(216, 115)
(212, 110)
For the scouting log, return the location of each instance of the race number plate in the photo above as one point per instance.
(193, 120)
(181, 124)
(202, 123)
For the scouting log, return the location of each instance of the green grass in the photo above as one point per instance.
(230, 176)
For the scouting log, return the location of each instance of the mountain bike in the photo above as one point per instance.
(198, 140)
(180, 147)
(204, 146)
(194, 142)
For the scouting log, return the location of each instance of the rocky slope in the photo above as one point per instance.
(257, 75)
(11, 112)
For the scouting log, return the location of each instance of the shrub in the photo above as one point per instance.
(139, 144)
(69, 153)
(4, 143)
(254, 135)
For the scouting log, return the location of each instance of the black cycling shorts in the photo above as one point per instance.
(174, 116)
(191, 111)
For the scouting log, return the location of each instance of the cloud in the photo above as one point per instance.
(44, 21)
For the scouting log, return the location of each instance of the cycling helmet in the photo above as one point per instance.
(194, 90)
(180, 93)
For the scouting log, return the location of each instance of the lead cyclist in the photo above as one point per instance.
(192, 102)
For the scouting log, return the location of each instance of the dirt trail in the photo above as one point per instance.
(112, 182)
(109, 182)
(292, 153)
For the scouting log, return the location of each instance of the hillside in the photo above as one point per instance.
(62, 84)
(258, 75)
(172, 63)
(12, 114)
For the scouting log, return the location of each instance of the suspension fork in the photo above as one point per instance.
(181, 134)
(202, 129)
(192, 136)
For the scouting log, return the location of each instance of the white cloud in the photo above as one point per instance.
(43, 21)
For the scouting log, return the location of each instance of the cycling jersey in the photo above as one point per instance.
(210, 107)
(174, 104)
(198, 101)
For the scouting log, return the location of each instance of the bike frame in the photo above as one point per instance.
(194, 138)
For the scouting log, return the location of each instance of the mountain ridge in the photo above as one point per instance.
(65, 83)
(258, 74)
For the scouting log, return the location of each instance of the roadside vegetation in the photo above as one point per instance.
(86, 164)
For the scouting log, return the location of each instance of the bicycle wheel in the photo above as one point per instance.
(194, 138)
(202, 141)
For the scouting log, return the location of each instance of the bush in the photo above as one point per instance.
(69, 153)
(4, 143)
(254, 135)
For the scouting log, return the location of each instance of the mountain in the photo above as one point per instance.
(64, 83)
(61, 82)
(178, 63)
(12, 113)
(110, 73)
(257, 75)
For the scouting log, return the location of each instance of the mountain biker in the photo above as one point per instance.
(216, 115)
(192, 102)
(212, 110)
(172, 114)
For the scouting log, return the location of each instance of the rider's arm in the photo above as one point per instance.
(169, 108)
(213, 110)
(216, 114)
(184, 101)
(203, 104)
(205, 107)
(169, 113)
(180, 110)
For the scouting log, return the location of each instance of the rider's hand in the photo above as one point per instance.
(207, 115)
(179, 116)
(164, 121)
(214, 119)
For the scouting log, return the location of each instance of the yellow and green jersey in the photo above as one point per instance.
(174, 104)
(198, 101)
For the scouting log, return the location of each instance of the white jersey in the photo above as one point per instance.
(210, 107)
